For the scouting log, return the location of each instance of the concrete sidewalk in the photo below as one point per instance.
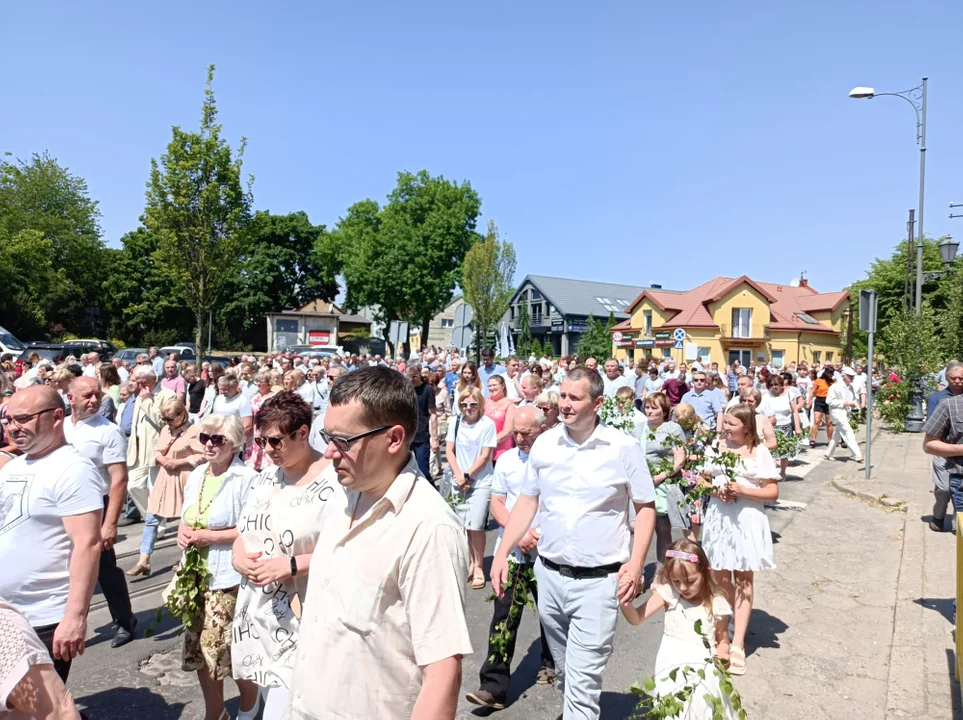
(857, 619)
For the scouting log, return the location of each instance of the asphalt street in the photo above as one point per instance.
(143, 679)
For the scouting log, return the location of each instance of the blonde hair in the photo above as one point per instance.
(476, 394)
(548, 397)
(172, 407)
(709, 588)
(661, 401)
(685, 415)
(228, 425)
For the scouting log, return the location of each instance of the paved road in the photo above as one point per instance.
(110, 683)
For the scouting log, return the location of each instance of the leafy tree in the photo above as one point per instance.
(198, 208)
(524, 331)
(535, 348)
(887, 277)
(41, 196)
(596, 341)
(30, 282)
(487, 280)
(285, 262)
(406, 258)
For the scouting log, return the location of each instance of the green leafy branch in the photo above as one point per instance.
(190, 583)
(520, 583)
(787, 444)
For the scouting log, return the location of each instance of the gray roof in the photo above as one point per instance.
(585, 297)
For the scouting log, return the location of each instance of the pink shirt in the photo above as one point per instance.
(175, 385)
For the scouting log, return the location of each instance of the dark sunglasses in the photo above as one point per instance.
(343, 444)
(215, 440)
(274, 442)
(167, 418)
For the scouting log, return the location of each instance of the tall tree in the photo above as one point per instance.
(524, 331)
(487, 280)
(30, 282)
(42, 196)
(406, 258)
(285, 262)
(596, 341)
(198, 208)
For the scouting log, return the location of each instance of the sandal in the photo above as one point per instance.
(737, 661)
(478, 582)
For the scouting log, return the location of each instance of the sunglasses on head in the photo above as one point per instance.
(274, 442)
(215, 440)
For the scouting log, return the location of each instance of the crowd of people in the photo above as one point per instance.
(391, 469)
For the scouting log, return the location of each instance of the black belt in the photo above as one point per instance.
(581, 572)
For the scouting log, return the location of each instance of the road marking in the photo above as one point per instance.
(785, 505)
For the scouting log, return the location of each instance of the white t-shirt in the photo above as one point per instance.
(98, 440)
(237, 405)
(471, 440)
(507, 480)
(35, 496)
(612, 386)
(307, 392)
(124, 374)
(779, 407)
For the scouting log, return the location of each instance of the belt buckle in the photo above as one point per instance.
(566, 571)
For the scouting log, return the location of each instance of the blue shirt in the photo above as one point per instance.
(484, 374)
(707, 405)
(127, 417)
(450, 379)
(935, 399)
(733, 379)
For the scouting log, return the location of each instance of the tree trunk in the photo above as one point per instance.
(425, 322)
(199, 333)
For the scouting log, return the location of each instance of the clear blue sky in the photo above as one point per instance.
(627, 141)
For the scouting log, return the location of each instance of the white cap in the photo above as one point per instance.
(849, 371)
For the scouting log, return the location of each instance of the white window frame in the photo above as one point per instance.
(781, 355)
(741, 322)
(647, 321)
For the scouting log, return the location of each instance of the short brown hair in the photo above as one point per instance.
(661, 401)
(595, 382)
(747, 417)
(285, 410)
(387, 397)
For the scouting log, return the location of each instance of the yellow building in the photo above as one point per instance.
(730, 319)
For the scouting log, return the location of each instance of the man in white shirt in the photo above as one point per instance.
(121, 370)
(614, 379)
(52, 504)
(105, 445)
(509, 476)
(297, 382)
(230, 401)
(859, 389)
(743, 383)
(91, 364)
(581, 477)
(385, 631)
(841, 400)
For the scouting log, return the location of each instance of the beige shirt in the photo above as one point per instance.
(385, 598)
(146, 427)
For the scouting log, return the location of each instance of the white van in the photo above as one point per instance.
(10, 344)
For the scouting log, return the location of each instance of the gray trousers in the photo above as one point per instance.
(579, 618)
(941, 488)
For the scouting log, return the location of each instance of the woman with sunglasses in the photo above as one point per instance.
(468, 447)
(279, 527)
(213, 498)
(179, 451)
(547, 402)
(500, 408)
(467, 380)
(258, 458)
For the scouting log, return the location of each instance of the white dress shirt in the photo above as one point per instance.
(507, 480)
(612, 386)
(584, 493)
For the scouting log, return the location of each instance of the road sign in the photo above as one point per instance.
(867, 310)
(461, 337)
(679, 334)
(616, 336)
(464, 314)
(398, 333)
(678, 344)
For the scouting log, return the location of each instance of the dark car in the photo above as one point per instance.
(129, 354)
(46, 350)
(81, 347)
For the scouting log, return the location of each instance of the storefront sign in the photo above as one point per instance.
(667, 342)
(319, 337)
(624, 343)
(663, 335)
(558, 324)
(578, 327)
(645, 343)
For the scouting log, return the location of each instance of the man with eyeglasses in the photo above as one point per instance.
(705, 401)
(384, 632)
(52, 504)
(317, 425)
(581, 477)
(105, 445)
(495, 675)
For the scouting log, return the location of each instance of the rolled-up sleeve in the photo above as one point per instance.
(432, 584)
(637, 473)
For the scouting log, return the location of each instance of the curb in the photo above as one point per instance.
(843, 485)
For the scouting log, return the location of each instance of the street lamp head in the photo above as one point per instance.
(948, 249)
(860, 93)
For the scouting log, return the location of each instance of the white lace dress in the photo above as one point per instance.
(736, 535)
(683, 649)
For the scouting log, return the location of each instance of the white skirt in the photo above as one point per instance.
(736, 536)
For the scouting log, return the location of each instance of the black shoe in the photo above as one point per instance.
(485, 699)
(123, 635)
(936, 525)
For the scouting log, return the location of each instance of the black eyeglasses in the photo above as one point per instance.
(343, 444)
(21, 420)
(274, 442)
(215, 440)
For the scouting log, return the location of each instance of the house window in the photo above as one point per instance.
(647, 315)
(536, 295)
(829, 356)
(536, 313)
(667, 353)
(817, 356)
(448, 322)
(778, 358)
(741, 322)
(704, 356)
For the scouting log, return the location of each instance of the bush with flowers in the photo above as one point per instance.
(893, 403)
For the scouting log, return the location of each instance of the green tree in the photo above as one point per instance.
(405, 259)
(887, 277)
(524, 331)
(596, 341)
(285, 262)
(487, 281)
(39, 195)
(30, 282)
(198, 208)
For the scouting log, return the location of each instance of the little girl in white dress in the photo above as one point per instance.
(693, 610)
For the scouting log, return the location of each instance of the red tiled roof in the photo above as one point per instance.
(690, 308)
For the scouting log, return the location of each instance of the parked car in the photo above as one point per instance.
(10, 344)
(314, 350)
(186, 351)
(224, 362)
(46, 350)
(80, 347)
(129, 354)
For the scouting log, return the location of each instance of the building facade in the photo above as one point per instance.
(318, 324)
(559, 308)
(728, 319)
(439, 329)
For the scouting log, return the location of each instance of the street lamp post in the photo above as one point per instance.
(917, 98)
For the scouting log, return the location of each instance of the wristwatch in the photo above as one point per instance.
(467, 477)
(294, 566)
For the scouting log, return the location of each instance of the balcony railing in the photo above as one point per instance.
(535, 321)
(742, 332)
